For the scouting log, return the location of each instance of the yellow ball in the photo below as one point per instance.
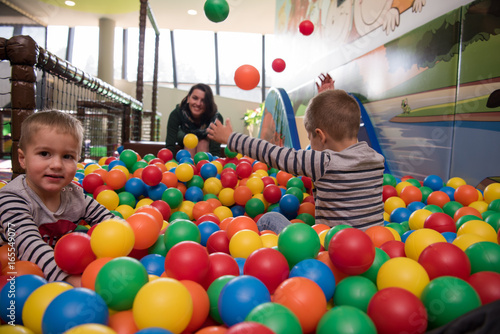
(255, 184)
(226, 196)
(480, 206)
(223, 212)
(417, 218)
(403, 272)
(392, 203)
(90, 168)
(479, 195)
(108, 198)
(492, 192)
(261, 173)
(243, 243)
(322, 236)
(143, 202)
(418, 240)
(184, 172)
(455, 182)
(161, 297)
(125, 210)
(90, 329)
(171, 164)
(219, 166)
(37, 303)
(465, 240)
(396, 235)
(123, 169)
(190, 140)
(102, 161)
(479, 228)
(112, 238)
(17, 329)
(80, 166)
(187, 208)
(212, 185)
(269, 240)
(401, 185)
(387, 217)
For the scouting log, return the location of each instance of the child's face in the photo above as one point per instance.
(50, 161)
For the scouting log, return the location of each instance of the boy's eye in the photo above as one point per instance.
(44, 153)
(69, 156)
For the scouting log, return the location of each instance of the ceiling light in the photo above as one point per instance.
(69, 3)
(192, 12)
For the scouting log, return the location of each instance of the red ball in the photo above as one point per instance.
(152, 175)
(101, 188)
(248, 327)
(221, 264)
(394, 248)
(165, 155)
(441, 222)
(269, 266)
(445, 259)
(229, 180)
(246, 77)
(208, 217)
(218, 242)
(279, 65)
(465, 194)
(272, 193)
(487, 285)
(388, 191)
(351, 251)
(187, 260)
(91, 182)
(244, 170)
(306, 27)
(267, 180)
(396, 310)
(163, 207)
(73, 253)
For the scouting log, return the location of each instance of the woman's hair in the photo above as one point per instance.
(210, 106)
(335, 112)
(53, 119)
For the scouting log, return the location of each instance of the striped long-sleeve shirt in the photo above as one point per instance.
(347, 184)
(35, 229)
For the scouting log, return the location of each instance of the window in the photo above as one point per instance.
(37, 33)
(117, 58)
(57, 40)
(86, 49)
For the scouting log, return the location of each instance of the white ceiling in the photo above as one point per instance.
(256, 16)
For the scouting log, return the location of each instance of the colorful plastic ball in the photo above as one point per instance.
(455, 182)
(404, 273)
(112, 238)
(243, 243)
(229, 153)
(135, 186)
(411, 194)
(181, 230)
(419, 240)
(492, 193)
(201, 305)
(440, 222)
(389, 179)
(207, 228)
(269, 266)
(17, 329)
(379, 235)
(68, 310)
(193, 194)
(486, 284)
(129, 157)
(152, 175)
(346, 319)
(396, 310)
(434, 182)
(393, 203)
(394, 248)
(221, 264)
(73, 253)
(37, 302)
(242, 194)
(272, 193)
(213, 292)
(254, 207)
(484, 256)
(400, 215)
(449, 191)
(90, 273)
(212, 186)
(239, 296)
(451, 207)
(216, 10)
(454, 296)
(109, 199)
(280, 319)
(480, 228)
(246, 77)
(91, 182)
(354, 291)
(438, 198)
(154, 264)
(208, 170)
(243, 170)
(351, 251)
(156, 192)
(14, 295)
(465, 194)
(445, 259)
(306, 27)
(318, 272)
(289, 204)
(160, 297)
(190, 140)
(218, 242)
(278, 65)
(113, 274)
(122, 322)
(298, 242)
(187, 260)
(165, 154)
(413, 206)
(417, 219)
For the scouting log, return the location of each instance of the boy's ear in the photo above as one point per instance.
(321, 134)
(21, 158)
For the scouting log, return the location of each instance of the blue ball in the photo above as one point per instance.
(80, 176)
(194, 194)
(74, 307)
(154, 264)
(413, 206)
(317, 272)
(449, 236)
(237, 210)
(449, 191)
(208, 170)
(289, 204)
(182, 154)
(400, 215)
(154, 330)
(187, 160)
(241, 263)
(155, 192)
(406, 234)
(206, 229)
(434, 182)
(14, 294)
(136, 187)
(115, 163)
(210, 156)
(240, 296)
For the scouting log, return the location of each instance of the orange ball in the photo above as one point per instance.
(241, 223)
(465, 194)
(146, 229)
(438, 198)
(246, 77)
(324, 257)
(116, 179)
(320, 227)
(90, 273)
(259, 165)
(214, 202)
(466, 210)
(123, 322)
(169, 179)
(282, 177)
(153, 211)
(213, 330)
(138, 173)
(223, 224)
(201, 208)
(201, 305)
(411, 194)
(4, 255)
(379, 235)
(307, 207)
(24, 268)
(242, 194)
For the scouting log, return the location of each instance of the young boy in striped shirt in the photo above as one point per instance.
(347, 174)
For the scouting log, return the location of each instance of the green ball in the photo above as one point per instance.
(81, 228)
(200, 156)
(173, 197)
(451, 207)
(354, 291)
(213, 292)
(307, 218)
(228, 153)
(178, 215)
(216, 10)
(426, 191)
(295, 182)
(126, 198)
(128, 157)
(119, 280)
(494, 205)
(181, 230)
(331, 232)
(116, 213)
(414, 182)
(380, 258)
(484, 256)
(148, 157)
(405, 225)
(493, 219)
(297, 192)
(138, 164)
(254, 207)
(208, 196)
(389, 180)
(196, 181)
(276, 317)
(298, 242)
(447, 298)
(346, 320)
(487, 213)
(230, 165)
(158, 247)
(273, 171)
(433, 208)
(464, 219)
(272, 206)
(397, 227)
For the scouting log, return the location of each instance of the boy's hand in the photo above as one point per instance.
(326, 83)
(220, 132)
